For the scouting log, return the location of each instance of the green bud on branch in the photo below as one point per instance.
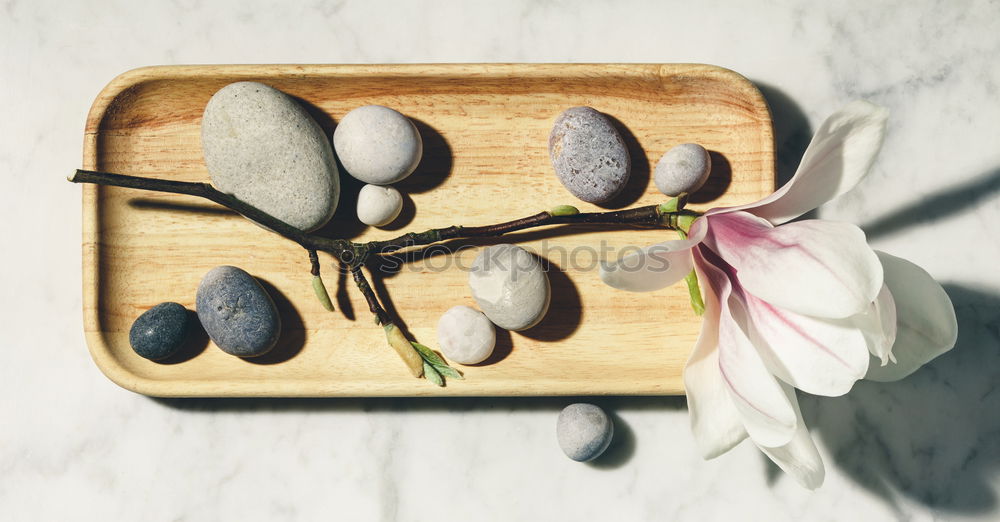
(564, 210)
(321, 293)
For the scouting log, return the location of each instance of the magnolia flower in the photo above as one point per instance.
(805, 304)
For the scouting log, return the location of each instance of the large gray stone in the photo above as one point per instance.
(237, 313)
(510, 286)
(588, 155)
(261, 146)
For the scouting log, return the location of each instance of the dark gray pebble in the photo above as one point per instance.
(237, 313)
(160, 331)
(588, 155)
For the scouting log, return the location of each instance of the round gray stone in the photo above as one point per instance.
(465, 335)
(589, 155)
(160, 331)
(584, 431)
(683, 168)
(237, 313)
(261, 146)
(378, 205)
(377, 144)
(510, 286)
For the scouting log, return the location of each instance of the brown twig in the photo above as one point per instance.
(356, 255)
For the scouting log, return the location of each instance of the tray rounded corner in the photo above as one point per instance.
(119, 374)
(116, 88)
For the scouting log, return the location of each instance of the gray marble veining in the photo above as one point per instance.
(927, 448)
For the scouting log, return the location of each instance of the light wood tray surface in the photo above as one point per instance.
(485, 129)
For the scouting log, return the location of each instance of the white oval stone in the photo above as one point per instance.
(377, 144)
(465, 335)
(510, 286)
(261, 146)
(683, 168)
(378, 206)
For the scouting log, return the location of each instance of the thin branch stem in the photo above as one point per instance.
(337, 247)
(355, 255)
(366, 290)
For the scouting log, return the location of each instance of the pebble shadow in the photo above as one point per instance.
(293, 332)
(718, 180)
(565, 310)
(622, 446)
(196, 342)
(504, 346)
(435, 165)
(406, 215)
(638, 180)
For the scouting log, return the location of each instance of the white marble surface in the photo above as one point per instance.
(75, 446)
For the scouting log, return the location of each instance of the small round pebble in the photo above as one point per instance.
(237, 313)
(510, 286)
(465, 335)
(683, 168)
(378, 206)
(589, 155)
(160, 331)
(584, 431)
(377, 145)
(261, 146)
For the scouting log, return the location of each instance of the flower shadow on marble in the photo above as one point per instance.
(932, 437)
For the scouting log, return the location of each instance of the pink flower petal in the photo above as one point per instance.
(715, 422)
(839, 156)
(799, 458)
(766, 413)
(655, 267)
(925, 319)
(818, 356)
(814, 267)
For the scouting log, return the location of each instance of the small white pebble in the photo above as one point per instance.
(584, 431)
(378, 206)
(465, 335)
(684, 168)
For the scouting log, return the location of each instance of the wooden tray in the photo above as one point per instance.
(485, 130)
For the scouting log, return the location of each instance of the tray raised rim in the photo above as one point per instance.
(95, 338)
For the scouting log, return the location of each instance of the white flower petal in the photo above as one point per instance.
(655, 267)
(925, 319)
(799, 458)
(715, 422)
(814, 267)
(767, 415)
(879, 327)
(839, 156)
(818, 356)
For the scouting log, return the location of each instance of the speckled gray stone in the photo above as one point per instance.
(465, 335)
(377, 144)
(584, 431)
(261, 146)
(588, 155)
(683, 168)
(237, 313)
(378, 206)
(510, 286)
(160, 331)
